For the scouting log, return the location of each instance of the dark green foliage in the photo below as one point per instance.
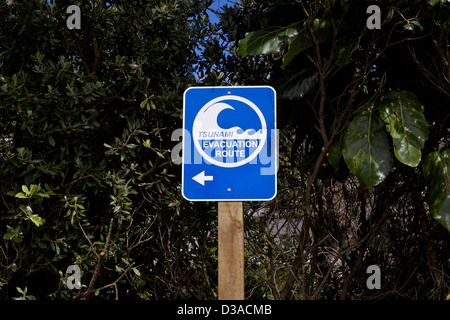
(369, 102)
(366, 150)
(86, 118)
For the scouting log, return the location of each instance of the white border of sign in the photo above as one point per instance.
(275, 149)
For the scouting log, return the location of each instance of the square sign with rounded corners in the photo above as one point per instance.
(230, 144)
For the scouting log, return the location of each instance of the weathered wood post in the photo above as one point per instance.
(231, 250)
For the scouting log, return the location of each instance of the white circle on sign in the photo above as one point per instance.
(205, 126)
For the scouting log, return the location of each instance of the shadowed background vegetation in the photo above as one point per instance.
(86, 123)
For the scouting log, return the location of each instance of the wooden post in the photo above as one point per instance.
(231, 251)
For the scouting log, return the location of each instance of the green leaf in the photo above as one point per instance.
(410, 25)
(294, 85)
(390, 14)
(18, 239)
(51, 141)
(136, 271)
(436, 171)
(267, 41)
(21, 195)
(407, 125)
(335, 151)
(42, 245)
(25, 189)
(8, 236)
(366, 147)
(27, 210)
(43, 195)
(13, 234)
(33, 189)
(119, 269)
(160, 154)
(304, 40)
(131, 146)
(344, 49)
(433, 2)
(147, 143)
(49, 190)
(144, 104)
(38, 221)
(417, 23)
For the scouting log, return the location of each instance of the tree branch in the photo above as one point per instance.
(101, 259)
(155, 166)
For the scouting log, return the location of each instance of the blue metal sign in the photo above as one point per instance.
(230, 145)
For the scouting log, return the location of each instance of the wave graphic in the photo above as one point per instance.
(206, 126)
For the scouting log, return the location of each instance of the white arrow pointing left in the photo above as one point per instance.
(201, 178)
